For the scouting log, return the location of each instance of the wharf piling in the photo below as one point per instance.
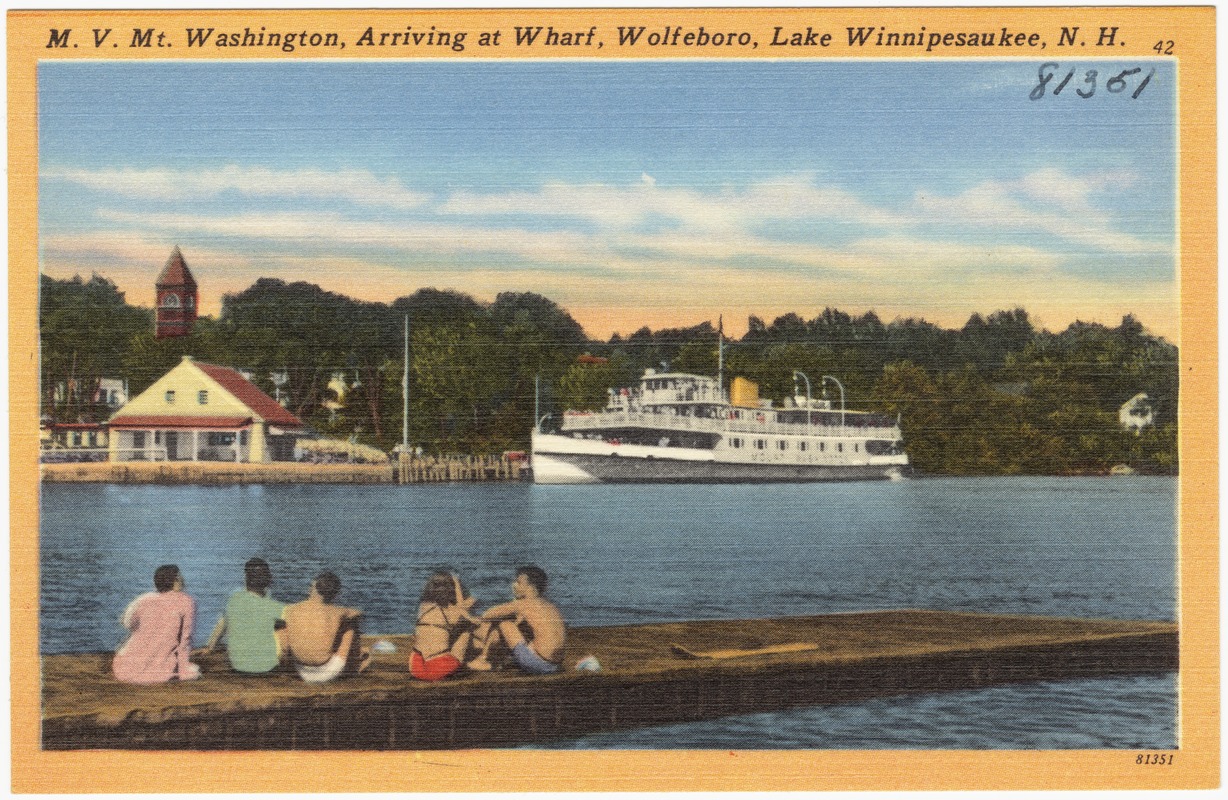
(642, 682)
(437, 469)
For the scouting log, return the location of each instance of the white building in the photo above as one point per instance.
(203, 412)
(1136, 413)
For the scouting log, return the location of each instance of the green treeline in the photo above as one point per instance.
(994, 397)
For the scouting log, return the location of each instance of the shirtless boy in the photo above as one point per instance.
(323, 638)
(530, 627)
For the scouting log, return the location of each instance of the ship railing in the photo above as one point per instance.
(581, 421)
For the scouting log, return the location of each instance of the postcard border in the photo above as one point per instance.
(1197, 764)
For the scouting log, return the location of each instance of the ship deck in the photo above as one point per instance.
(642, 682)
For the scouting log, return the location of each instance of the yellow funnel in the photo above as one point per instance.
(744, 393)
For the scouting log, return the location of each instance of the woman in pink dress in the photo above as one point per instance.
(161, 640)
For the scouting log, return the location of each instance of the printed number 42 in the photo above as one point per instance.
(1164, 48)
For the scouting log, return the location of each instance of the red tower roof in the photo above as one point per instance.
(176, 272)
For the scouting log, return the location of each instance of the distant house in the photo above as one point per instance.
(72, 441)
(1136, 413)
(203, 412)
(112, 392)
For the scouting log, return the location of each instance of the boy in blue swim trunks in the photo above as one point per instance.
(530, 627)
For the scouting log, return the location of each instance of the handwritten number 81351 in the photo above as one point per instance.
(1086, 87)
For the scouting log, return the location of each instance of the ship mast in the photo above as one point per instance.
(720, 355)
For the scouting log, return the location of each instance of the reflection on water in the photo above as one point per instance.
(629, 554)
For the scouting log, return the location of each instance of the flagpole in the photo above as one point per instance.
(405, 394)
(720, 353)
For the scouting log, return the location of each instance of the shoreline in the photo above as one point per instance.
(426, 470)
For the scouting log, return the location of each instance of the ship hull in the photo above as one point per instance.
(577, 468)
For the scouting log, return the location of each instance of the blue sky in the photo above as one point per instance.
(639, 192)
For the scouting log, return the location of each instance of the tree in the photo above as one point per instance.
(585, 385)
(907, 391)
(85, 328)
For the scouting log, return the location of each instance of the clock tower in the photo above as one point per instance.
(176, 298)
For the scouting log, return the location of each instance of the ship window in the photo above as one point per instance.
(822, 446)
(856, 448)
(782, 444)
(170, 395)
(801, 446)
(839, 447)
(760, 444)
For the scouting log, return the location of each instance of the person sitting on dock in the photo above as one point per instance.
(161, 641)
(530, 627)
(441, 635)
(252, 623)
(324, 639)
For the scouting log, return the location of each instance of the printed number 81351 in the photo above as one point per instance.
(1087, 87)
(1156, 758)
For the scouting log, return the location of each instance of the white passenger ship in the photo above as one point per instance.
(680, 428)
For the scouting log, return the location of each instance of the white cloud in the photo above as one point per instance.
(355, 186)
(1047, 202)
(724, 209)
(329, 230)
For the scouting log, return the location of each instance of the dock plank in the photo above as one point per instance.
(859, 655)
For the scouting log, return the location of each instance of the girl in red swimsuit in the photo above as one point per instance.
(442, 632)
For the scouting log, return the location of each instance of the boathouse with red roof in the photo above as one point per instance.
(203, 412)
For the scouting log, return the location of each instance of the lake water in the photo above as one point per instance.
(631, 554)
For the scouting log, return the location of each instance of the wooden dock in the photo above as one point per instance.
(826, 659)
(426, 469)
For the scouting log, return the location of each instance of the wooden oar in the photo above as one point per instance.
(794, 647)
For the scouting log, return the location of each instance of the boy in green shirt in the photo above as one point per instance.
(252, 623)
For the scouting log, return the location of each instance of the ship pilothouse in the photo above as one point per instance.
(681, 427)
